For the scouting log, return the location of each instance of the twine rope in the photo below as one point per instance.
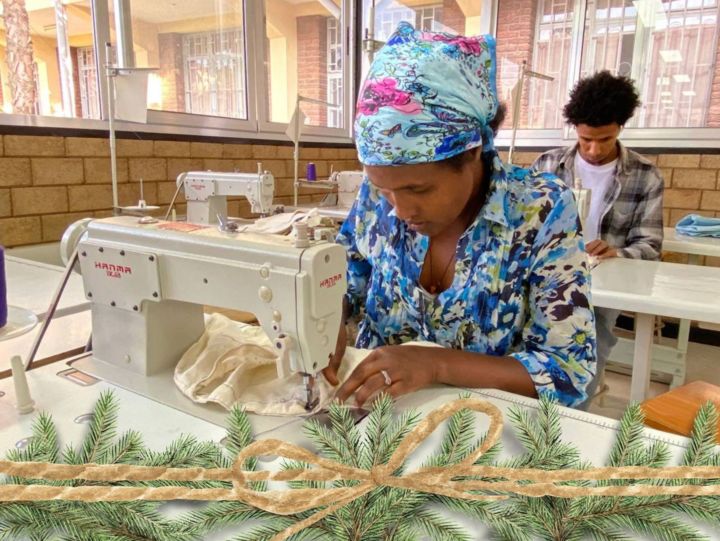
(461, 480)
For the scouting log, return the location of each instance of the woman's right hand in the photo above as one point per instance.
(331, 372)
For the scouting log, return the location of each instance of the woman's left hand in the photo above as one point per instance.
(408, 369)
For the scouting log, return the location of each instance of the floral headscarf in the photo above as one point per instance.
(427, 97)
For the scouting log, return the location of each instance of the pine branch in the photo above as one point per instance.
(44, 445)
(291, 465)
(377, 423)
(239, 431)
(385, 508)
(459, 440)
(397, 431)
(126, 450)
(702, 439)
(327, 443)
(526, 429)
(218, 515)
(659, 526)
(549, 422)
(630, 436)
(185, 452)
(102, 428)
(491, 455)
(268, 531)
(438, 527)
(343, 424)
(501, 517)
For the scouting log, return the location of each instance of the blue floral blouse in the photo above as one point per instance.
(521, 285)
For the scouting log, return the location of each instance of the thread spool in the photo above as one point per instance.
(302, 234)
(311, 174)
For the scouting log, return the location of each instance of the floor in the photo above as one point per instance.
(703, 363)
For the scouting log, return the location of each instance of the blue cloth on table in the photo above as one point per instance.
(699, 226)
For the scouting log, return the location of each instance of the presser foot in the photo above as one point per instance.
(311, 397)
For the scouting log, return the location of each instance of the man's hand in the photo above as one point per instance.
(332, 369)
(600, 249)
(409, 368)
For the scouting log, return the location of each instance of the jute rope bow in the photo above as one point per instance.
(462, 480)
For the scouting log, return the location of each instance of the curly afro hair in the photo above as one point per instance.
(602, 99)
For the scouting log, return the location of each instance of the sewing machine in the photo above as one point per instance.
(206, 193)
(148, 283)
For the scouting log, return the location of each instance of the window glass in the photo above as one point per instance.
(453, 16)
(669, 48)
(304, 53)
(199, 50)
(538, 32)
(47, 64)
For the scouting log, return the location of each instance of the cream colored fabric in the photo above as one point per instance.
(281, 224)
(233, 363)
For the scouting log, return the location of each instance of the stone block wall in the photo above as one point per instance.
(48, 182)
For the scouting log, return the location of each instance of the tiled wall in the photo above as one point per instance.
(46, 183)
(692, 185)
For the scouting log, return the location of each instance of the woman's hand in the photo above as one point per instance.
(408, 368)
(332, 369)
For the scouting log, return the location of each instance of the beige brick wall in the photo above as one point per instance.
(48, 182)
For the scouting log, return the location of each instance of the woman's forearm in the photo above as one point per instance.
(476, 370)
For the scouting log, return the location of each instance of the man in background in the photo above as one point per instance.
(625, 217)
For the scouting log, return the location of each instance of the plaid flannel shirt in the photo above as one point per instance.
(632, 218)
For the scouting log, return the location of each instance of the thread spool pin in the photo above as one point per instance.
(24, 402)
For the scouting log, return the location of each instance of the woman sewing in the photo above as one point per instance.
(447, 245)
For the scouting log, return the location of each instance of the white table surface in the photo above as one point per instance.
(65, 334)
(655, 288)
(31, 285)
(685, 244)
(159, 425)
(658, 288)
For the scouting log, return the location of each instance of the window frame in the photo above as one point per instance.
(347, 31)
(635, 137)
(256, 127)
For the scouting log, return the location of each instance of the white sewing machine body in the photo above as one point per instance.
(148, 284)
(206, 193)
(348, 187)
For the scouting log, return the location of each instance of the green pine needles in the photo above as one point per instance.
(385, 514)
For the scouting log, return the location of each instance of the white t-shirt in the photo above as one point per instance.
(599, 179)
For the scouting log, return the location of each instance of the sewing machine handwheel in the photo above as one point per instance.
(70, 240)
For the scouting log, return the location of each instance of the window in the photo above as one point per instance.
(218, 67)
(334, 72)
(429, 18)
(388, 17)
(198, 49)
(88, 82)
(46, 59)
(454, 16)
(538, 32)
(305, 51)
(214, 69)
(668, 48)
